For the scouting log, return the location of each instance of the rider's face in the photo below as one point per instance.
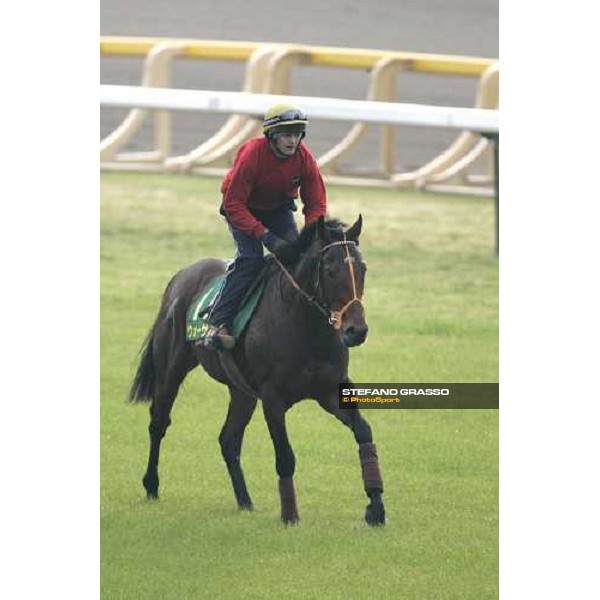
(287, 142)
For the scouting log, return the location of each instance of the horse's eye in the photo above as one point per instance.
(363, 265)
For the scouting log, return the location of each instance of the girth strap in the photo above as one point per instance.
(235, 375)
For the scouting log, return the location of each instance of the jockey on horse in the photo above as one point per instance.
(258, 204)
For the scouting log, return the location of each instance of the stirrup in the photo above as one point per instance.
(219, 338)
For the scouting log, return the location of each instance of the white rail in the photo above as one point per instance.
(335, 109)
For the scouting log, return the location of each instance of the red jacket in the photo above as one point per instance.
(260, 180)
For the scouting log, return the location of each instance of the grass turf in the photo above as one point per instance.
(432, 308)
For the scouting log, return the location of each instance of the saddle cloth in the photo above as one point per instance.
(199, 310)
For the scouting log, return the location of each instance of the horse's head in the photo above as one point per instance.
(338, 271)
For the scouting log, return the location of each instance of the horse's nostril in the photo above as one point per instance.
(355, 335)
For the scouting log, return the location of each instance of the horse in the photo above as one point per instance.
(295, 347)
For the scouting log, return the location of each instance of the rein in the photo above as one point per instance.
(334, 317)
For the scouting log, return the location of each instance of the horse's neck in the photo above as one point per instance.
(298, 311)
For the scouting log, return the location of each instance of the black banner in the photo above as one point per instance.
(419, 395)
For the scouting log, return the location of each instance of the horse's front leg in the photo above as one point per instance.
(241, 408)
(367, 453)
(285, 461)
(373, 482)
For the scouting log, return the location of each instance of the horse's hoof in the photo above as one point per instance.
(247, 507)
(151, 486)
(290, 517)
(375, 515)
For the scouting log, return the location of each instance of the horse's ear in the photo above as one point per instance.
(354, 232)
(322, 232)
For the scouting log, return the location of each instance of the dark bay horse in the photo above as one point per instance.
(295, 347)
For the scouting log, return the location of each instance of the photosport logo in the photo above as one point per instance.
(419, 395)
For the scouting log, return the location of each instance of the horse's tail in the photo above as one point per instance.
(144, 383)
(143, 388)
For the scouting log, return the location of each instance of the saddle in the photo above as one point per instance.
(199, 310)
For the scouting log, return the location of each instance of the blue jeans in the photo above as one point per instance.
(249, 261)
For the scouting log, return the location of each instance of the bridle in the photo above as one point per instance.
(334, 317)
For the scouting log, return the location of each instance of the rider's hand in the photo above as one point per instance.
(281, 248)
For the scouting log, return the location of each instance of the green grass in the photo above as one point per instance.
(432, 308)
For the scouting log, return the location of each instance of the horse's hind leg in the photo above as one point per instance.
(159, 422)
(160, 410)
(241, 408)
(367, 452)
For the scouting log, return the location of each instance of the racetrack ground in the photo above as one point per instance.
(432, 308)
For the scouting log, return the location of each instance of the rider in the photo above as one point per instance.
(258, 204)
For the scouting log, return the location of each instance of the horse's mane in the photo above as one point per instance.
(334, 226)
(297, 251)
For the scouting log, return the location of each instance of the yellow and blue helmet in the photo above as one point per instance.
(284, 117)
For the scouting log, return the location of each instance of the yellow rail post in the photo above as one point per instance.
(382, 87)
(462, 153)
(268, 70)
(274, 78)
(157, 73)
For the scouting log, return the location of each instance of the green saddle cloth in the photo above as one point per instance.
(199, 310)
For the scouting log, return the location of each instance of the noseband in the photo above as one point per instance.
(334, 317)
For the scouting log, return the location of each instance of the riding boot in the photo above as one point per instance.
(237, 282)
(218, 337)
